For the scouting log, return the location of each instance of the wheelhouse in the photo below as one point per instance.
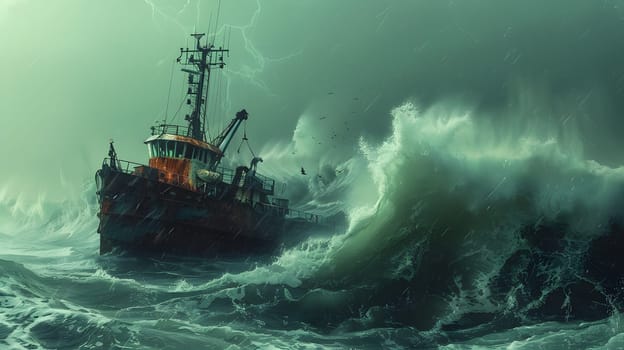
(178, 158)
(180, 147)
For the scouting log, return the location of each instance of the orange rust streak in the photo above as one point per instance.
(172, 170)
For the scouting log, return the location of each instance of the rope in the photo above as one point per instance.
(246, 140)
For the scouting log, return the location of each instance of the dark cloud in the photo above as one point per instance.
(76, 74)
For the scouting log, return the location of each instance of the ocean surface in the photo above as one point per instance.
(462, 235)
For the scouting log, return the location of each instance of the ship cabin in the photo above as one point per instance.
(178, 157)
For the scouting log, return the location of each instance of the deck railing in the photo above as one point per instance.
(226, 173)
(294, 213)
(122, 165)
(268, 184)
(170, 129)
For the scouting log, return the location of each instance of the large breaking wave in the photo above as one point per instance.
(476, 222)
(460, 228)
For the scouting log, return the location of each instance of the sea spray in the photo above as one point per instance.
(456, 203)
(457, 231)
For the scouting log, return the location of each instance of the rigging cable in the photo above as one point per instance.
(208, 31)
(207, 107)
(169, 93)
(180, 107)
(182, 93)
(218, 104)
(229, 36)
(215, 102)
(204, 106)
(210, 118)
(217, 20)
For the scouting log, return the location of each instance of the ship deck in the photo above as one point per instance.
(211, 190)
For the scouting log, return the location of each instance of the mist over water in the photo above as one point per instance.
(473, 145)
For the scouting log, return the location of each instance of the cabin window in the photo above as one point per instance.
(170, 149)
(152, 149)
(179, 152)
(161, 149)
(189, 152)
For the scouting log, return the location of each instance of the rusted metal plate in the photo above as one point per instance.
(156, 216)
(175, 171)
(146, 215)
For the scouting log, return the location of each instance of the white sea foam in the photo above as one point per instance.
(443, 180)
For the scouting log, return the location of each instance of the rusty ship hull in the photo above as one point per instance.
(146, 215)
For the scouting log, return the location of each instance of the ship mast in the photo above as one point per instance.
(201, 60)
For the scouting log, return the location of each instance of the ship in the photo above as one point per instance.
(184, 201)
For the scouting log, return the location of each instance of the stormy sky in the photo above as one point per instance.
(74, 73)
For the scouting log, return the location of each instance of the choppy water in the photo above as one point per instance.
(463, 236)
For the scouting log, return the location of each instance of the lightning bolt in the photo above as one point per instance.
(251, 73)
(247, 72)
(188, 3)
(383, 15)
(157, 11)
